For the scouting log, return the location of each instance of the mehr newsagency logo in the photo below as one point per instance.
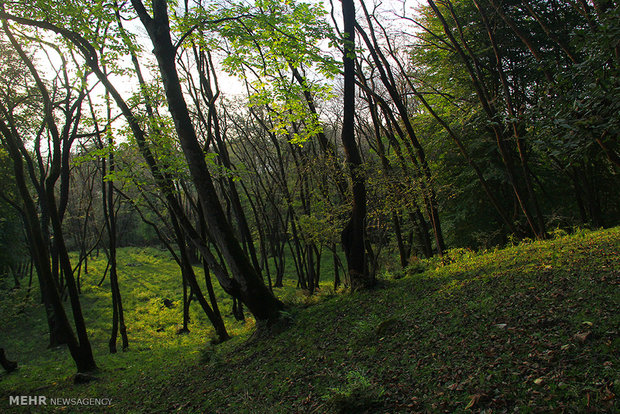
(30, 400)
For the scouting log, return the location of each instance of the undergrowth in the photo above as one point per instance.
(532, 327)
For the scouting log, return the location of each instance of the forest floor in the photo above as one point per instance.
(529, 328)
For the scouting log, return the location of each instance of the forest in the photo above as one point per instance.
(205, 183)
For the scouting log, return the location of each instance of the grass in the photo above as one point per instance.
(532, 327)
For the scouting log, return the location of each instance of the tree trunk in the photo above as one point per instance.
(9, 366)
(352, 236)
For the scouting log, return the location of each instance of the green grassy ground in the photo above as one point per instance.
(532, 327)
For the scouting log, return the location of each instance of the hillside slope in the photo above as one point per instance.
(533, 326)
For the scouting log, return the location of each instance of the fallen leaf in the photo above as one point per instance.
(583, 337)
(609, 396)
(474, 400)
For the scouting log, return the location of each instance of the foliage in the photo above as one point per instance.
(262, 41)
(564, 97)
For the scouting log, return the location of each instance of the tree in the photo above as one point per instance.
(14, 131)
(246, 283)
(353, 235)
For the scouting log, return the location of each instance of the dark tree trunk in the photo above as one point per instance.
(352, 236)
(9, 366)
(118, 319)
(336, 267)
(187, 300)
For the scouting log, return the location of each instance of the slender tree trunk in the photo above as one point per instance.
(190, 276)
(336, 267)
(186, 303)
(109, 214)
